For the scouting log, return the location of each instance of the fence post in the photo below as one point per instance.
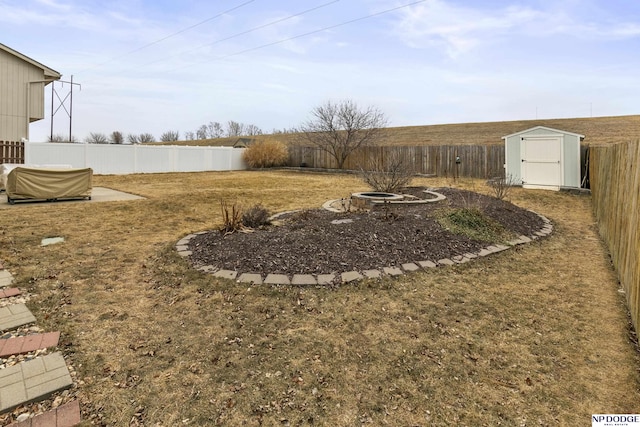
(26, 153)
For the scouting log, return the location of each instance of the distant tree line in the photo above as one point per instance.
(206, 131)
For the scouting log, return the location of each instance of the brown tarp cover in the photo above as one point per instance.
(37, 183)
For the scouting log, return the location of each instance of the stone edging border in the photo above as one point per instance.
(182, 246)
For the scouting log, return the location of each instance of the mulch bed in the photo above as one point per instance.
(307, 242)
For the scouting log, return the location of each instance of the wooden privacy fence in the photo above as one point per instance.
(615, 189)
(476, 161)
(11, 152)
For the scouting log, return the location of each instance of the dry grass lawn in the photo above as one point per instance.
(537, 335)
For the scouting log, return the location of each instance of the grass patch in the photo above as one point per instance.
(472, 223)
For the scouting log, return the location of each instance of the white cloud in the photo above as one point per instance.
(54, 4)
(461, 29)
(458, 29)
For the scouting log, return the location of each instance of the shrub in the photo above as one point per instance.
(266, 154)
(388, 174)
(255, 217)
(501, 186)
(231, 218)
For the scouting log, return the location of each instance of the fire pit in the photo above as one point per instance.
(367, 199)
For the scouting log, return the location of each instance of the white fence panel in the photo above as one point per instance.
(155, 159)
(116, 159)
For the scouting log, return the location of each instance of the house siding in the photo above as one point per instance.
(21, 101)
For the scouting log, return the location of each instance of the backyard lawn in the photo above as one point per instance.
(536, 335)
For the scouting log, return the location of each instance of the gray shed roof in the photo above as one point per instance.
(545, 128)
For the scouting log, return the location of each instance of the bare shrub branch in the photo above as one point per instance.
(387, 173)
(501, 186)
(256, 216)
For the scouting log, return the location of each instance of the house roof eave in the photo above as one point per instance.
(49, 73)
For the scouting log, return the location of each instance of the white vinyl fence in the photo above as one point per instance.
(116, 159)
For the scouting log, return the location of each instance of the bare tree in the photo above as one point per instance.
(234, 128)
(251, 130)
(189, 136)
(201, 133)
(146, 137)
(340, 128)
(214, 130)
(97, 138)
(170, 136)
(133, 139)
(117, 137)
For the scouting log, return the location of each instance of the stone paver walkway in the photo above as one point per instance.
(36, 379)
(67, 415)
(20, 345)
(33, 380)
(182, 246)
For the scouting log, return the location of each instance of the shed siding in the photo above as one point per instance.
(513, 159)
(571, 151)
(15, 89)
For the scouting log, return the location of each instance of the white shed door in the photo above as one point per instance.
(542, 162)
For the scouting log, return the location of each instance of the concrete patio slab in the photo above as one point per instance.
(98, 194)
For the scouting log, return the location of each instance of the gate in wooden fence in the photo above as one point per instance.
(11, 152)
(615, 189)
(476, 161)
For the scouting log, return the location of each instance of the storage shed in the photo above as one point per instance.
(543, 157)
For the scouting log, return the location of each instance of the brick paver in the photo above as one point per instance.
(253, 278)
(372, 274)
(350, 276)
(28, 343)
(6, 278)
(393, 271)
(9, 292)
(326, 279)
(277, 279)
(226, 274)
(67, 415)
(410, 266)
(33, 380)
(15, 315)
(427, 264)
(303, 279)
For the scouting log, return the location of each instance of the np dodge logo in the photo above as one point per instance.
(615, 420)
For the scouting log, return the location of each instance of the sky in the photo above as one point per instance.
(151, 66)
